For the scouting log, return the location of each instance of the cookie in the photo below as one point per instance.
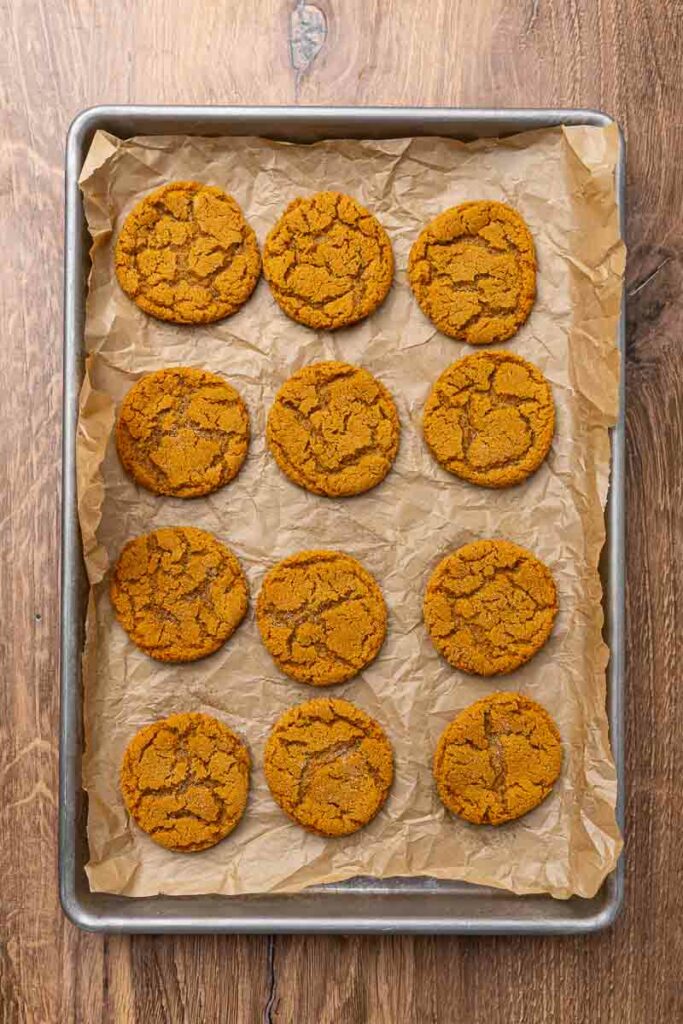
(321, 616)
(182, 432)
(490, 419)
(333, 429)
(498, 759)
(178, 593)
(329, 766)
(186, 254)
(473, 272)
(490, 606)
(185, 781)
(328, 261)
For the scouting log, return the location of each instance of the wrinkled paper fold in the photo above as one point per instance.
(562, 181)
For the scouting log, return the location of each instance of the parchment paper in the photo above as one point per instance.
(562, 182)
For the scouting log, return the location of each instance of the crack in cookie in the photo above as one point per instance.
(328, 261)
(334, 429)
(473, 272)
(490, 419)
(178, 593)
(182, 432)
(321, 616)
(187, 255)
(329, 766)
(489, 607)
(498, 759)
(185, 781)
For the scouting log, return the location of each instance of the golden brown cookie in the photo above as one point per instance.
(185, 780)
(490, 606)
(186, 254)
(334, 429)
(178, 593)
(473, 272)
(328, 261)
(490, 419)
(498, 759)
(329, 766)
(322, 616)
(183, 432)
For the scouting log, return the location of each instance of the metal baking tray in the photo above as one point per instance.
(359, 905)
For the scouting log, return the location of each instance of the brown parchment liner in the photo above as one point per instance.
(562, 181)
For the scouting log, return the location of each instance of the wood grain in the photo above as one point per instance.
(59, 56)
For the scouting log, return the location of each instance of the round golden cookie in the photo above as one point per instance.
(329, 766)
(498, 759)
(490, 606)
(334, 429)
(490, 419)
(186, 254)
(185, 781)
(178, 593)
(473, 272)
(183, 432)
(328, 261)
(321, 616)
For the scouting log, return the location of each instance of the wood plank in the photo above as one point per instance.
(619, 55)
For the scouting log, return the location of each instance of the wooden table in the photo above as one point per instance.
(623, 56)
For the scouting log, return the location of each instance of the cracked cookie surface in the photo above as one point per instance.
(178, 593)
(490, 606)
(498, 759)
(329, 766)
(334, 429)
(187, 255)
(182, 432)
(321, 616)
(185, 781)
(328, 261)
(473, 272)
(490, 419)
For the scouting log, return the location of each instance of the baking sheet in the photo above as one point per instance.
(562, 182)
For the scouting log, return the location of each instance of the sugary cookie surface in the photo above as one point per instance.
(334, 429)
(185, 781)
(321, 616)
(490, 419)
(178, 593)
(182, 432)
(329, 766)
(186, 254)
(473, 272)
(328, 261)
(490, 606)
(498, 759)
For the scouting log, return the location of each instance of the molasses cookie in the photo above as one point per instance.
(321, 616)
(185, 781)
(186, 254)
(473, 272)
(178, 593)
(333, 429)
(490, 419)
(328, 261)
(329, 766)
(490, 606)
(498, 759)
(182, 432)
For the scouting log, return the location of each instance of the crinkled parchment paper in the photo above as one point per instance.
(562, 181)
